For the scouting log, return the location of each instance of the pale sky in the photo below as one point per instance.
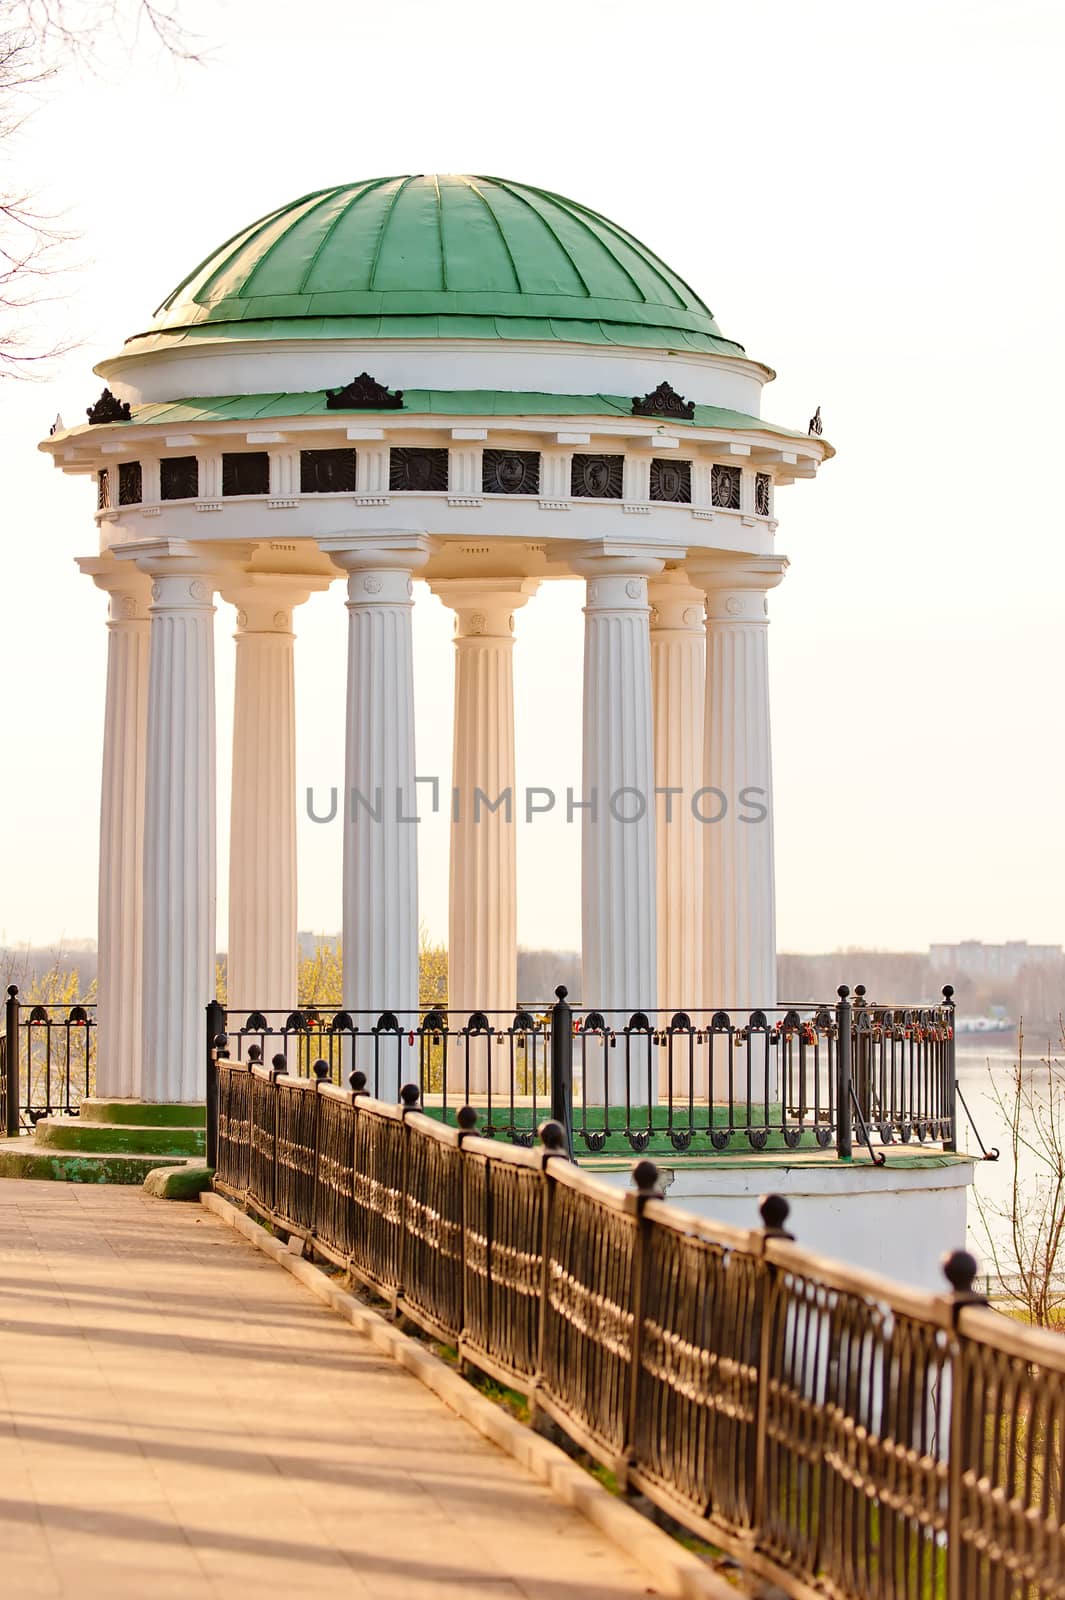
(867, 196)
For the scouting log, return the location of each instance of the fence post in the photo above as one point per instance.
(844, 1077)
(959, 1269)
(562, 1065)
(950, 1068)
(774, 1211)
(216, 1027)
(11, 1061)
(645, 1176)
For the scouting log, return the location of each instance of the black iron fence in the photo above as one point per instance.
(840, 1434)
(47, 1060)
(809, 1077)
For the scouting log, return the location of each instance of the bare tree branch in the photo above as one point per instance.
(37, 37)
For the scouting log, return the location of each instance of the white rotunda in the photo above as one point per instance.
(481, 386)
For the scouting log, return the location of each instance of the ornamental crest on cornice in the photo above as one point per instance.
(108, 409)
(364, 394)
(663, 402)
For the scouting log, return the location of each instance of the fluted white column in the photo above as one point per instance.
(179, 829)
(482, 916)
(678, 676)
(618, 959)
(263, 879)
(120, 906)
(380, 830)
(740, 909)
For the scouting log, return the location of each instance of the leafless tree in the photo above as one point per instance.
(38, 38)
(1025, 1233)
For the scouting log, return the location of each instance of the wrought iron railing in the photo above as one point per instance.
(804, 1077)
(48, 1061)
(840, 1434)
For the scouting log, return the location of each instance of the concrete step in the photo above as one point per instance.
(145, 1114)
(118, 1138)
(25, 1158)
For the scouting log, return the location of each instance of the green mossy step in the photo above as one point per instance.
(144, 1113)
(24, 1158)
(71, 1133)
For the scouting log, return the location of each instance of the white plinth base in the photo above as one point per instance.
(898, 1221)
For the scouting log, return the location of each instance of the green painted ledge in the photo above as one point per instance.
(145, 1114)
(70, 1133)
(23, 1158)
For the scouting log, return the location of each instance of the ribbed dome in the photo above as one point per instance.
(449, 257)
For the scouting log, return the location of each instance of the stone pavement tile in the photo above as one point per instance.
(225, 1436)
(30, 1577)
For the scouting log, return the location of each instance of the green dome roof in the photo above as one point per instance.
(448, 257)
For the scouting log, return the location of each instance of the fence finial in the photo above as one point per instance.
(553, 1138)
(960, 1269)
(774, 1211)
(12, 990)
(466, 1119)
(409, 1096)
(561, 992)
(255, 1055)
(321, 1071)
(279, 1063)
(645, 1177)
(357, 1080)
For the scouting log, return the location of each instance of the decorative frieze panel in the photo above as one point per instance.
(103, 490)
(725, 487)
(245, 472)
(417, 471)
(327, 471)
(130, 491)
(597, 477)
(179, 478)
(511, 472)
(763, 485)
(671, 481)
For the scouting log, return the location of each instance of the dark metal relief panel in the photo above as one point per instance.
(246, 473)
(597, 477)
(417, 471)
(129, 483)
(762, 488)
(510, 472)
(327, 472)
(671, 480)
(725, 487)
(103, 490)
(179, 478)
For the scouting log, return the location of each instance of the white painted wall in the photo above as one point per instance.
(541, 366)
(896, 1221)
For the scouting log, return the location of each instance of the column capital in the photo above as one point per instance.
(128, 589)
(677, 606)
(379, 566)
(724, 569)
(484, 607)
(184, 575)
(406, 551)
(265, 600)
(593, 558)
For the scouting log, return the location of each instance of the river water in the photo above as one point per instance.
(984, 1063)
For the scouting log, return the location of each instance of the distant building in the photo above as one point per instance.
(973, 959)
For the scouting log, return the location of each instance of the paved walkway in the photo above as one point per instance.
(178, 1417)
